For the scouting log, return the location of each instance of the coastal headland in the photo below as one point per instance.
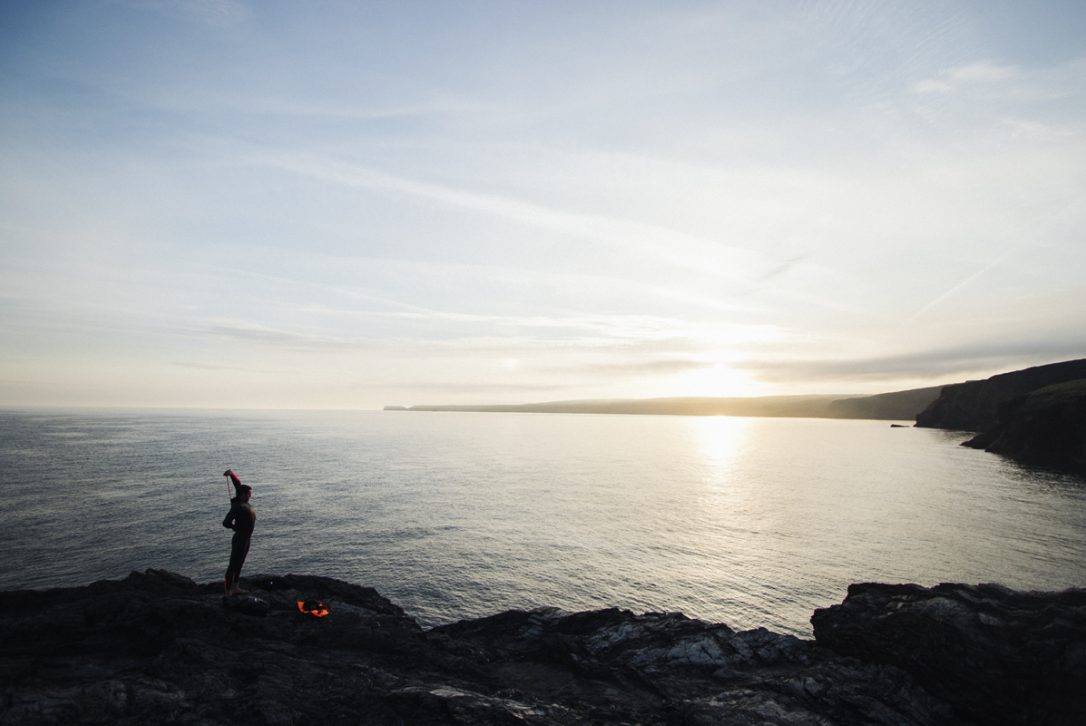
(898, 405)
(1036, 416)
(157, 647)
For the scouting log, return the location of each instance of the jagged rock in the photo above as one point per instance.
(246, 604)
(158, 648)
(996, 656)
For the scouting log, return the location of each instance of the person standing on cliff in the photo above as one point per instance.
(242, 519)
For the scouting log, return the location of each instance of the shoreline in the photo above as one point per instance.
(158, 647)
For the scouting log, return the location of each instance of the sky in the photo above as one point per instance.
(218, 203)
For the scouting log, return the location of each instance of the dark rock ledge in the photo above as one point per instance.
(158, 648)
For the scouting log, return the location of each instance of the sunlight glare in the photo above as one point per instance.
(718, 379)
(719, 438)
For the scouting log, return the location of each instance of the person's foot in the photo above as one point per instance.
(237, 591)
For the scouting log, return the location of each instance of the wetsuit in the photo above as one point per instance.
(242, 519)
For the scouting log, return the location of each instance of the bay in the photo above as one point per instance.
(750, 522)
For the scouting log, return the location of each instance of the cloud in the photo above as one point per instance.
(470, 275)
(470, 345)
(983, 72)
(933, 86)
(449, 387)
(979, 73)
(621, 326)
(626, 236)
(252, 332)
(644, 367)
(212, 367)
(215, 13)
(997, 356)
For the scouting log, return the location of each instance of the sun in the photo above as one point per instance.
(716, 379)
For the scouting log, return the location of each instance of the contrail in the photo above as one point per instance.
(1034, 234)
(725, 260)
(964, 283)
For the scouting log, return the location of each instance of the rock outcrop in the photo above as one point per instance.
(996, 656)
(158, 648)
(975, 405)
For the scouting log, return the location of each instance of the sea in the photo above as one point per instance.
(752, 522)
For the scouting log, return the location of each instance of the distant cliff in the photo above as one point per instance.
(899, 405)
(157, 648)
(688, 406)
(974, 405)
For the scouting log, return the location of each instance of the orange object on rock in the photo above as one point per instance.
(316, 608)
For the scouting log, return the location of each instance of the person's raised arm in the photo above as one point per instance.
(234, 478)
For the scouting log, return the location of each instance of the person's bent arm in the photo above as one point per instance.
(231, 519)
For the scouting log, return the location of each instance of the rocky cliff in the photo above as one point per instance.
(1044, 428)
(974, 405)
(158, 648)
(1036, 416)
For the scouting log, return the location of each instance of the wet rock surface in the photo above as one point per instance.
(159, 648)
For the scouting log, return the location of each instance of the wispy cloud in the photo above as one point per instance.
(980, 73)
(444, 387)
(215, 368)
(933, 86)
(620, 326)
(934, 363)
(316, 281)
(626, 236)
(219, 13)
(639, 368)
(983, 72)
(277, 338)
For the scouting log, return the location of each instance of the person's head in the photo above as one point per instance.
(244, 492)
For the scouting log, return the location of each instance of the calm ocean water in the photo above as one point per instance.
(744, 521)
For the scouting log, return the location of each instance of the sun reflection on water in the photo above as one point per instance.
(719, 439)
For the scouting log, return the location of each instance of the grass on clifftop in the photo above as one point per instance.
(1069, 389)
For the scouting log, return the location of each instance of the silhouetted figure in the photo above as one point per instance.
(241, 518)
